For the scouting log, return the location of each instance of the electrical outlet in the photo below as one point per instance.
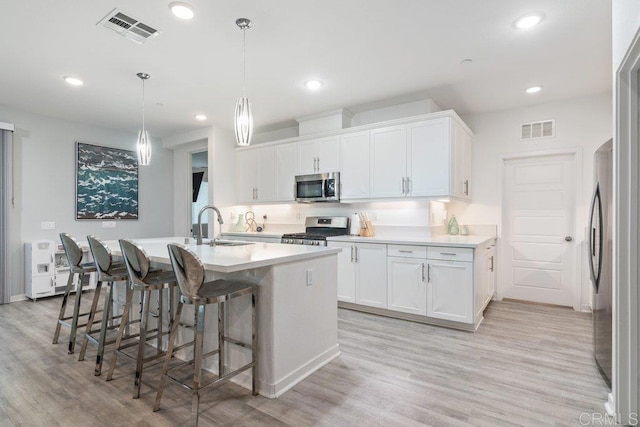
(108, 224)
(309, 277)
(232, 216)
(48, 225)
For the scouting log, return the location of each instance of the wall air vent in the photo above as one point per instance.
(537, 130)
(128, 27)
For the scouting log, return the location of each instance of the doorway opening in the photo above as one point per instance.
(199, 190)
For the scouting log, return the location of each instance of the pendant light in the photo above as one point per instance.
(243, 121)
(143, 146)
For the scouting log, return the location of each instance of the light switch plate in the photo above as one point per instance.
(47, 225)
(108, 224)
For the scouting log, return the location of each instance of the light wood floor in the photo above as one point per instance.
(527, 365)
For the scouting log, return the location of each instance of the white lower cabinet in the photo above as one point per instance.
(450, 284)
(450, 290)
(362, 273)
(407, 290)
(432, 283)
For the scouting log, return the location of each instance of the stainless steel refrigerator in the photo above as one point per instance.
(600, 257)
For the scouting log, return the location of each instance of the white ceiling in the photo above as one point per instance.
(365, 51)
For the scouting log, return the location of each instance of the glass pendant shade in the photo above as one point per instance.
(143, 147)
(243, 121)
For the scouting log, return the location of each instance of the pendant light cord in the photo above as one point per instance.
(244, 61)
(142, 105)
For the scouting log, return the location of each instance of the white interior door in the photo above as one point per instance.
(538, 229)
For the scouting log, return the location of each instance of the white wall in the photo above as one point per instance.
(626, 23)
(580, 122)
(45, 183)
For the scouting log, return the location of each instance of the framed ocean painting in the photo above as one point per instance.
(106, 183)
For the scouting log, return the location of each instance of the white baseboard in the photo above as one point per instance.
(17, 298)
(288, 382)
(610, 406)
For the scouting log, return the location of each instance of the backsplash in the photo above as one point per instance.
(414, 216)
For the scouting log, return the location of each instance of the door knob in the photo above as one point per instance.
(568, 238)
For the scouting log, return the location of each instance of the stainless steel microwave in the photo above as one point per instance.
(318, 187)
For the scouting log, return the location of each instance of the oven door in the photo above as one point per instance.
(321, 187)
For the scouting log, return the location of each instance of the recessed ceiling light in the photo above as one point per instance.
(73, 81)
(533, 89)
(313, 84)
(466, 61)
(181, 10)
(159, 104)
(528, 21)
(201, 117)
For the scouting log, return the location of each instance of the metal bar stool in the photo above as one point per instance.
(108, 272)
(190, 275)
(74, 257)
(143, 278)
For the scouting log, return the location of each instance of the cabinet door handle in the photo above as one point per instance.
(356, 254)
(404, 251)
(428, 273)
(351, 253)
(51, 279)
(448, 253)
(408, 185)
(318, 164)
(491, 263)
(423, 271)
(403, 185)
(466, 187)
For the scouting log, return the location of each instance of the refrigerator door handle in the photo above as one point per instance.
(595, 203)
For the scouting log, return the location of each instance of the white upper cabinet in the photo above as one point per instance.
(428, 158)
(319, 155)
(461, 163)
(354, 165)
(421, 159)
(388, 161)
(286, 170)
(256, 175)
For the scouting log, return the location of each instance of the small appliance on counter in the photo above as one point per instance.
(317, 229)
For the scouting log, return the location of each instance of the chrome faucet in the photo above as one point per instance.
(199, 238)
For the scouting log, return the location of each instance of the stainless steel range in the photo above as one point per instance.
(318, 228)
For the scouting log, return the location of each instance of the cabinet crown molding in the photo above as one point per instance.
(430, 116)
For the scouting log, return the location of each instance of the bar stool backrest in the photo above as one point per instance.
(137, 261)
(71, 249)
(101, 254)
(188, 269)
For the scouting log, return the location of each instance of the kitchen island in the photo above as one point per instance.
(297, 311)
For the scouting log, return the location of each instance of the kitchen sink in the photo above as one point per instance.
(223, 242)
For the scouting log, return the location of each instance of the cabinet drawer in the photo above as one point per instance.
(450, 254)
(407, 251)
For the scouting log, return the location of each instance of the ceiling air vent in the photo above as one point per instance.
(128, 27)
(535, 130)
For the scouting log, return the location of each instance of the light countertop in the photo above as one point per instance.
(471, 241)
(228, 259)
(253, 233)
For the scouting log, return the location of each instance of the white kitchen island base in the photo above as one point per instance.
(297, 310)
(298, 327)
